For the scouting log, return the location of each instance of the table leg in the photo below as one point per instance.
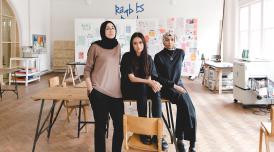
(220, 81)
(38, 125)
(79, 119)
(16, 85)
(51, 117)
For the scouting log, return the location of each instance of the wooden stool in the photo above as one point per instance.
(73, 73)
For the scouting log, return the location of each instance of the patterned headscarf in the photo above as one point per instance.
(169, 34)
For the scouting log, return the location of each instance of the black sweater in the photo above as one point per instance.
(169, 64)
(126, 68)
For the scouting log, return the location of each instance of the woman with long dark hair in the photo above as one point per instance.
(138, 78)
(102, 77)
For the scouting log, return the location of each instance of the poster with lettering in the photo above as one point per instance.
(87, 31)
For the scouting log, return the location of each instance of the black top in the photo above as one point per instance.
(127, 68)
(169, 64)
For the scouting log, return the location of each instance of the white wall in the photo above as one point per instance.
(208, 12)
(230, 30)
(55, 18)
(34, 18)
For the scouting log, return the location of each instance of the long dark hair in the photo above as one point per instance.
(144, 56)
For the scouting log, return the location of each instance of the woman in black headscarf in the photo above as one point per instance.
(102, 75)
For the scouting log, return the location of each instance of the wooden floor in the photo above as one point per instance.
(223, 126)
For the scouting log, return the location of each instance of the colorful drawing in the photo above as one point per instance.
(39, 41)
(81, 55)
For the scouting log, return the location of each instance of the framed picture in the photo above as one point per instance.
(39, 41)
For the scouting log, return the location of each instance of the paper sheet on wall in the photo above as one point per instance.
(88, 30)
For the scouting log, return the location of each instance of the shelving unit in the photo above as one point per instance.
(30, 70)
(63, 53)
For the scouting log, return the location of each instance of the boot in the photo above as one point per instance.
(145, 139)
(164, 143)
(180, 145)
(192, 146)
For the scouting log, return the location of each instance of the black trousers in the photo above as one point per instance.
(186, 123)
(103, 105)
(141, 92)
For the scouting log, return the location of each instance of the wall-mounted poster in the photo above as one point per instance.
(87, 31)
(39, 41)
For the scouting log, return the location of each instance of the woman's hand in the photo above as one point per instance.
(179, 89)
(156, 86)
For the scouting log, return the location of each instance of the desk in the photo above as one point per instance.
(55, 95)
(61, 94)
(10, 71)
(218, 67)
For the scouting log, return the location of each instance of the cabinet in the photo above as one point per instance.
(218, 76)
(29, 70)
(63, 53)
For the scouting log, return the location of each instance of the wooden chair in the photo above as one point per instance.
(69, 105)
(145, 126)
(267, 128)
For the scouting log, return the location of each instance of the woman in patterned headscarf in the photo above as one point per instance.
(168, 63)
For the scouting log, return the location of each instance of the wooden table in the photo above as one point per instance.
(81, 85)
(218, 67)
(10, 71)
(55, 95)
(79, 92)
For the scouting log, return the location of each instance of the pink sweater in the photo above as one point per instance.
(103, 68)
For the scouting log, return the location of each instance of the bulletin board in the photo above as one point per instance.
(88, 31)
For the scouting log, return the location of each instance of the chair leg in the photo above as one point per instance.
(261, 140)
(85, 117)
(267, 142)
(69, 114)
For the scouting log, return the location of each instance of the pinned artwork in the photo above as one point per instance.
(39, 41)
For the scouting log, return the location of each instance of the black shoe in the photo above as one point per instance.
(145, 139)
(191, 146)
(191, 149)
(164, 143)
(180, 146)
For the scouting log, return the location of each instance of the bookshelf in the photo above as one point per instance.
(29, 70)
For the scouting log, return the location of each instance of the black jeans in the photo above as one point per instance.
(186, 122)
(103, 105)
(141, 92)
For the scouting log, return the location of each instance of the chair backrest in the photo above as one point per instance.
(272, 120)
(54, 82)
(142, 125)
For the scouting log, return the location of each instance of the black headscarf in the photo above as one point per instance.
(106, 42)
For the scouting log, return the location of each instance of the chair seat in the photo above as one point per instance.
(164, 100)
(71, 80)
(135, 143)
